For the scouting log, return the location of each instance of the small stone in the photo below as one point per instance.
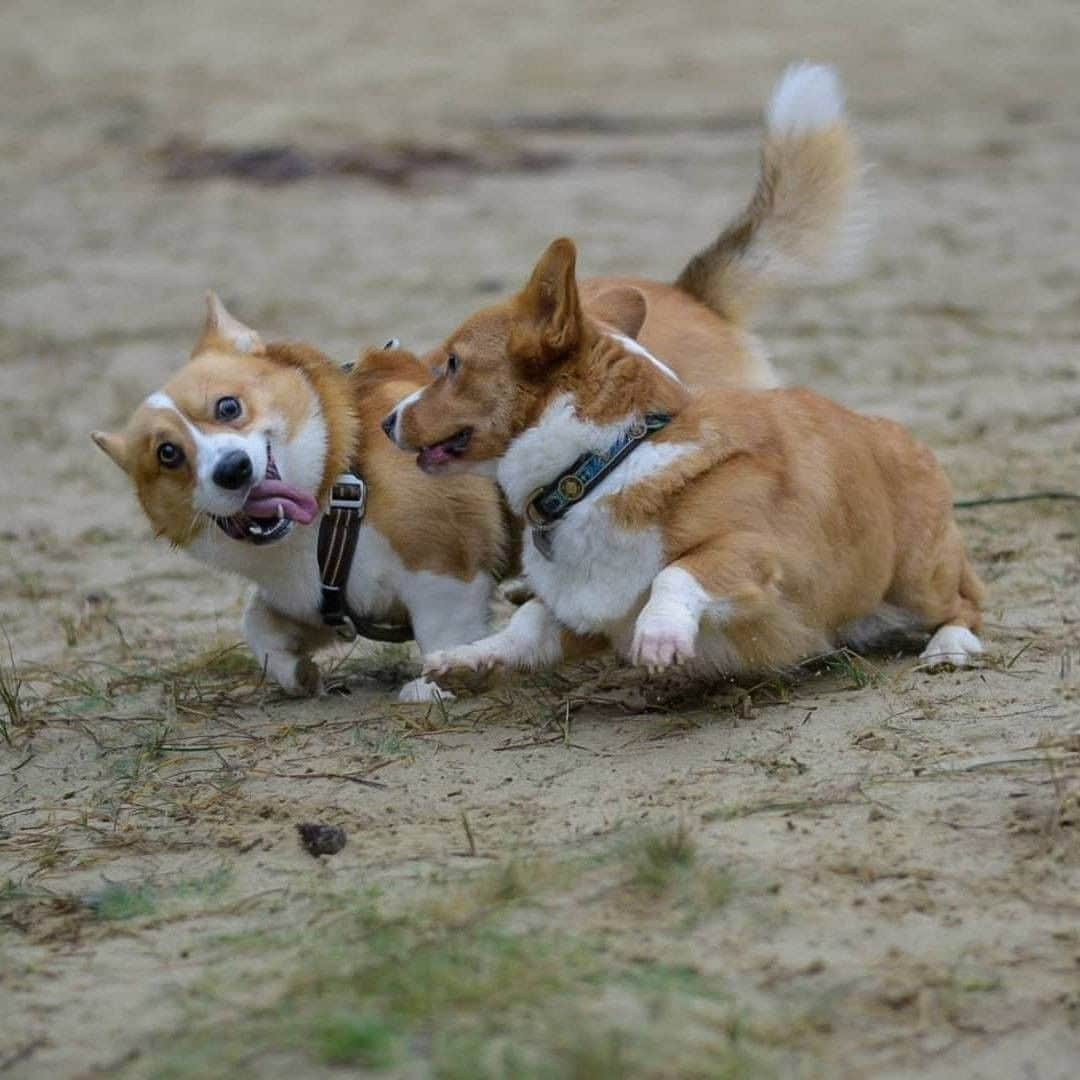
(319, 839)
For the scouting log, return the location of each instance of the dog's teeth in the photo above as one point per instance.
(280, 512)
(256, 529)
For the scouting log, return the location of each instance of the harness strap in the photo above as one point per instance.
(338, 533)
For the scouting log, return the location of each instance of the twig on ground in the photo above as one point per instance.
(353, 778)
(1001, 500)
(468, 833)
(22, 1053)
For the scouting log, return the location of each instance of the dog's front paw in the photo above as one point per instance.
(468, 668)
(661, 643)
(423, 690)
(463, 658)
(951, 645)
(297, 676)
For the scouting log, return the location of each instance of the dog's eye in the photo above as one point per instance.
(170, 455)
(452, 363)
(228, 408)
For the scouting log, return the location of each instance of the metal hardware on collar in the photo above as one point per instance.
(338, 533)
(547, 505)
(543, 537)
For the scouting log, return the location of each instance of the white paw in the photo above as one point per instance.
(420, 690)
(467, 657)
(660, 643)
(297, 676)
(954, 645)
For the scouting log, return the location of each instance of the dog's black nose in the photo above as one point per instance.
(233, 470)
(388, 424)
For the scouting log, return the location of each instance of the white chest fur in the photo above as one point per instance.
(287, 572)
(599, 572)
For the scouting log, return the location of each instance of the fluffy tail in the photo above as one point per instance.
(803, 215)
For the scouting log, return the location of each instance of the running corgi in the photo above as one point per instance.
(235, 458)
(805, 216)
(729, 530)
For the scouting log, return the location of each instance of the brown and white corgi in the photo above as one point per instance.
(233, 461)
(749, 530)
(805, 215)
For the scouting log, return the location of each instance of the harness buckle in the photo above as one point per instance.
(348, 492)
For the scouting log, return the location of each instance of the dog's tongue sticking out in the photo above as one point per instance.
(295, 504)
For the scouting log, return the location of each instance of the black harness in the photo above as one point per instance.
(338, 533)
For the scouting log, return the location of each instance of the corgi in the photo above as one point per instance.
(234, 460)
(806, 215)
(725, 529)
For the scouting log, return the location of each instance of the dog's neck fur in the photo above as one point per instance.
(334, 395)
(598, 395)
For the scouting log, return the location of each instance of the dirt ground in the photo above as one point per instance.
(867, 871)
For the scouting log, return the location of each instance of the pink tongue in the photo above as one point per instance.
(433, 456)
(297, 505)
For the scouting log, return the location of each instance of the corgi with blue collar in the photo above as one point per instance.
(724, 529)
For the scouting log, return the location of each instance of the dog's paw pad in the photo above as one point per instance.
(952, 646)
(659, 645)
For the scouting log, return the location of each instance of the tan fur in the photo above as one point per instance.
(803, 193)
(454, 528)
(703, 348)
(805, 516)
(515, 357)
(801, 205)
(280, 378)
(798, 513)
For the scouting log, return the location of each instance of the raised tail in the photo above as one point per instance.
(804, 214)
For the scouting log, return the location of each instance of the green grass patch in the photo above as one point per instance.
(354, 1039)
(665, 864)
(853, 669)
(120, 900)
(10, 692)
(660, 857)
(472, 1000)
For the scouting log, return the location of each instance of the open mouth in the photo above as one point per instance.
(270, 509)
(443, 453)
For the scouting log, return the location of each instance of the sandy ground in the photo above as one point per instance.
(873, 871)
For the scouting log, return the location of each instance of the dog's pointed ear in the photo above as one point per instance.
(623, 308)
(222, 326)
(550, 302)
(114, 445)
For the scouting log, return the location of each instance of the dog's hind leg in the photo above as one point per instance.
(940, 586)
(283, 647)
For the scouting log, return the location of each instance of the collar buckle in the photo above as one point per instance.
(547, 505)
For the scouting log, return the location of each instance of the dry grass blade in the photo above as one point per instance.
(10, 692)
